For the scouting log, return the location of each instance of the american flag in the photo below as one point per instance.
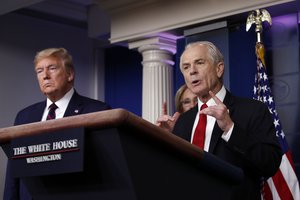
(284, 184)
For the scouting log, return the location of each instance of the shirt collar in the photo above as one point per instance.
(221, 95)
(64, 101)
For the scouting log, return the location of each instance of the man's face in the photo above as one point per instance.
(200, 73)
(54, 80)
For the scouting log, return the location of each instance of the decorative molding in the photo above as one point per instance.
(11, 5)
(205, 28)
(115, 6)
(62, 9)
(167, 15)
(162, 43)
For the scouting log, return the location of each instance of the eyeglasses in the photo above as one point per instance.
(186, 102)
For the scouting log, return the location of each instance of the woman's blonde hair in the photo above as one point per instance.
(178, 96)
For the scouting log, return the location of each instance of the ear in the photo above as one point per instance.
(70, 75)
(220, 69)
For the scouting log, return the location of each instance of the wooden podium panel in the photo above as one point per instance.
(127, 157)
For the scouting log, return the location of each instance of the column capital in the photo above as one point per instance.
(154, 43)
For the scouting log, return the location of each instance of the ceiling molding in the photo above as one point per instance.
(115, 6)
(63, 9)
(174, 14)
(8, 6)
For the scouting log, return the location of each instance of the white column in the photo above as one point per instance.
(157, 75)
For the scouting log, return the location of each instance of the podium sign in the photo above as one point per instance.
(124, 157)
(50, 153)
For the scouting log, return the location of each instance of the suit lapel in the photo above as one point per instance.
(184, 125)
(191, 115)
(38, 114)
(74, 107)
(217, 132)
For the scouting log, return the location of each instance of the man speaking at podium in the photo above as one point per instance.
(55, 73)
(237, 130)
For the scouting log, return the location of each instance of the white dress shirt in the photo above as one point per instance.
(211, 121)
(62, 105)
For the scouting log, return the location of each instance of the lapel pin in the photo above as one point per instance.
(76, 111)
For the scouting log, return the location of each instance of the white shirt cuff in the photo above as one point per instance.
(226, 136)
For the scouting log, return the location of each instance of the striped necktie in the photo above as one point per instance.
(51, 113)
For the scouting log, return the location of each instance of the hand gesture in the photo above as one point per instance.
(219, 112)
(165, 121)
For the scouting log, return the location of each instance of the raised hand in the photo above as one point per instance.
(166, 121)
(220, 112)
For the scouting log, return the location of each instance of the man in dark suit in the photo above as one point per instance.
(238, 130)
(55, 74)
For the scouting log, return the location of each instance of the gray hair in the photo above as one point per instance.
(214, 53)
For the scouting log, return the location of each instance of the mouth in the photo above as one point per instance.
(47, 85)
(195, 82)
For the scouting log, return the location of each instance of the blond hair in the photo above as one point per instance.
(59, 53)
(178, 96)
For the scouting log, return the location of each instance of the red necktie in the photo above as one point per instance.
(199, 135)
(51, 113)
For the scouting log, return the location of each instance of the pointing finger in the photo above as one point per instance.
(164, 108)
(215, 98)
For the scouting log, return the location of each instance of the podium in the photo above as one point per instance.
(124, 157)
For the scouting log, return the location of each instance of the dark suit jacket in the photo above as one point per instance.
(253, 145)
(14, 188)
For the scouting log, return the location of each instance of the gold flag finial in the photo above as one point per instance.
(260, 52)
(257, 17)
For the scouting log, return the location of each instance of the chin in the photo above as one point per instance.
(196, 90)
(48, 92)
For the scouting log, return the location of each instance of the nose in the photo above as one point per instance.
(45, 74)
(193, 70)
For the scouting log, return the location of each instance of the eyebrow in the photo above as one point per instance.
(46, 66)
(200, 59)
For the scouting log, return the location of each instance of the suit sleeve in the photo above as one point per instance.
(255, 140)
